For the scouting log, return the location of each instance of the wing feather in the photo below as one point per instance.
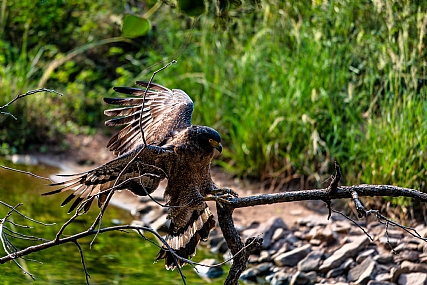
(165, 112)
(151, 165)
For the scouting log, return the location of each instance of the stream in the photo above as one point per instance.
(115, 257)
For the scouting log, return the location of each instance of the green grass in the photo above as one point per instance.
(290, 87)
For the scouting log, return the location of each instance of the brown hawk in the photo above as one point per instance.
(175, 150)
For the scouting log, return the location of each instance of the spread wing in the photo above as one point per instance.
(165, 113)
(141, 176)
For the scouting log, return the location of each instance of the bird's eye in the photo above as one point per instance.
(211, 140)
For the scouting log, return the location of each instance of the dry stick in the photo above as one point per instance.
(31, 92)
(6, 243)
(82, 258)
(74, 238)
(25, 172)
(354, 222)
(24, 216)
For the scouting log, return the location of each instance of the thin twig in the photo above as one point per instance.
(31, 92)
(82, 258)
(26, 172)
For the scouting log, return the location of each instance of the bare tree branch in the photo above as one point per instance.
(31, 92)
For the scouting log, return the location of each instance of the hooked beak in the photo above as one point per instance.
(219, 147)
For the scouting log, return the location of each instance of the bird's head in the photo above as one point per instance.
(210, 138)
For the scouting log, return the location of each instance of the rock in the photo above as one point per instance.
(221, 247)
(412, 279)
(291, 258)
(341, 227)
(161, 224)
(209, 272)
(152, 215)
(266, 230)
(349, 263)
(251, 274)
(408, 255)
(367, 253)
(387, 241)
(311, 261)
(322, 234)
(313, 220)
(374, 282)
(384, 258)
(414, 267)
(406, 246)
(363, 272)
(347, 250)
(300, 278)
(278, 234)
(335, 272)
(383, 277)
(280, 278)
(284, 247)
(264, 256)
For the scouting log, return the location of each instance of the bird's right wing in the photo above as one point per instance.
(164, 113)
(141, 175)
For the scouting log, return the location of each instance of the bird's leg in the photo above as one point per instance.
(227, 192)
(221, 195)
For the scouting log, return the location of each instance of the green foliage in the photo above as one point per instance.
(134, 26)
(290, 86)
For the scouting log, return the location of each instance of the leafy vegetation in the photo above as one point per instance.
(290, 86)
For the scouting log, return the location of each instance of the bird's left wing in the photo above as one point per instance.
(160, 112)
(140, 175)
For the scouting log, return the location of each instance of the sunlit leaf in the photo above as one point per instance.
(192, 8)
(134, 26)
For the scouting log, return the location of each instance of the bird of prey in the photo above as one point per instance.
(173, 149)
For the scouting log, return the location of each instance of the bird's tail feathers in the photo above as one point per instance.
(185, 240)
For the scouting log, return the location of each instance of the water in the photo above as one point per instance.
(115, 258)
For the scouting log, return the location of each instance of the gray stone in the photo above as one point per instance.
(384, 258)
(267, 230)
(335, 272)
(300, 278)
(363, 272)
(221, 247)
(312, 276)
(349, 263)
(383, 277)
(291, 258)
(407, 267)
(341, 227)
(311, 261)
(389, 241)
(407, 255)
(314, 220)
(416, 278)
(280, 278)
(264, 256)
(209, 272)
(322, 234)
(374, 282)
(367, 253)
(347, 250)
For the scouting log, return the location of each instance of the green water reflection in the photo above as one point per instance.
(115, 258)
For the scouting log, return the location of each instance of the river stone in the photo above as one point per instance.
(407, 255)
(300, 278)
(367, 253)
(311, 261)
(363, 272)
(335, 272)
(264, 256)
(374, 282)
(209, 272)
(407, 267)
(416, 278)
(280, 278)
(291, 258)
(384, 258)
(347, 250)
